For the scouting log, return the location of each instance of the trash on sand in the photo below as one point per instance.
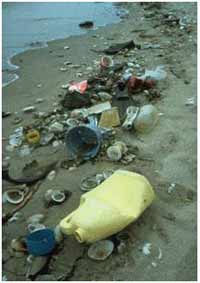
(41, 242)
(114, 49)
(14, 196)
(29, 109)
(17, 137)
(86, 24)
(104, 96)
(106, 62)
(80, 87)
(99, 108)
(33, 136)
(56, 127)
(146, 249)
(25, 150)
(32, 227)
(158, 74)
(46, 138)
(101, 250)
(146, 118)
(116, 151)
(136, 84)
(18, 245)
(83, 141)
(76, 100)
(110, 118)
(131, 114)
(115, 207)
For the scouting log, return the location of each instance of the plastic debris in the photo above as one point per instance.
(146, 250)
(110, 207)
(16, 138)
(99, 108)
(33, 136)
(100, 250)
(80, 87)
(146, 118)
(131, 114)
(158, 74)
(116, 151)
(110, 118)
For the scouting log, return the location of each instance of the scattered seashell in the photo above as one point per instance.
(100, 250)
(66, 63)
(146, 250)
(13, 196)
(51, 175)
(62, 69)
(88, 183)
(58, 196)
(58, 234)
(66, 47)
(72, 168)
(29, 109)
(17, 245)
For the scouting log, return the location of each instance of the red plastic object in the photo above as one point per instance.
(80, 87)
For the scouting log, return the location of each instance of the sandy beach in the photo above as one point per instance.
(166, 155)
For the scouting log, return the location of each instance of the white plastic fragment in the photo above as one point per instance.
(157, 74)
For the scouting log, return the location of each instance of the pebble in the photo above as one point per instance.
(29, 109)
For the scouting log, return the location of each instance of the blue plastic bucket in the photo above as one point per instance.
(41, 242)
(83, 141)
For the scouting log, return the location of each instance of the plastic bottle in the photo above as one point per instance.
(110, 207)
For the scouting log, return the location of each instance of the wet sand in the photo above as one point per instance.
(171, 147)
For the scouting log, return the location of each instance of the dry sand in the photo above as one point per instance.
(170, 223)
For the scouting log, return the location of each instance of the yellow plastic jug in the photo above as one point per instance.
(110, 207)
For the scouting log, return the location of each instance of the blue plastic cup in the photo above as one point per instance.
(41, 242)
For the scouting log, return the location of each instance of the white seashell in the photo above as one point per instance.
(51, 175)
(13, 196)
(100, 250)
(66, 47)
(65, 86)
(39, 100)
(62, 69)
(58, 234)
(58, 196)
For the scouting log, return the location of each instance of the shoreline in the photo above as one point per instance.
(45, 44)
(169, 149)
